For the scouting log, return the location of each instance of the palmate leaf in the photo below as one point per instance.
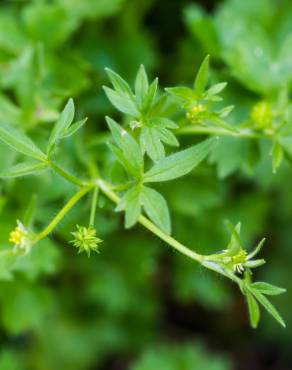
(20, 142)
(180, 163)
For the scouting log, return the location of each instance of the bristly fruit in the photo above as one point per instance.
(85, 239)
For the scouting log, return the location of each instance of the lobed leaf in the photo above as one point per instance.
(180, 163)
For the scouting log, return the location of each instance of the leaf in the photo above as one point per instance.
(267, 289)
(277, 156)
(253, 309)
(122, 102)
(151, 95)
(131, 204)
(150, 142)
(20, 142)
(74, 128)
(130, 149)
(216, 89)
(202, 77)
(167, 136)
(268, 306)
(255, 263)
(119, 84)
(156, 208)
(62, 124)
(22, 169)
(141, 85)
(7, 263)
(234, 245)
(257, 248)
(30, 211)
(180, 163)
(182, 92)
(224, 112)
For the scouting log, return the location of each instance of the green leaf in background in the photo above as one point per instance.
(202, 77)
(7, 263)
(277, 156)
(185, 356)
(156, 208)
(20, 142)
(180, 163)
(23, 169)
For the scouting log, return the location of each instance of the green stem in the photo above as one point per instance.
(76, 197)
(74, 180)
(242, 133)
(105, 188)
(93, 206)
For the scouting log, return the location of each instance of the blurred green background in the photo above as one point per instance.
(137, 305)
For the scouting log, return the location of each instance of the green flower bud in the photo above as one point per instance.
(85, 239)
(262, 115)
(194, 113)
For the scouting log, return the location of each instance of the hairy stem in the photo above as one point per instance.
(93, 206)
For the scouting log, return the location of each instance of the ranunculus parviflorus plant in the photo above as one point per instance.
(153, 123)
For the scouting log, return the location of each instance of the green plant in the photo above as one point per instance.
(139, 146)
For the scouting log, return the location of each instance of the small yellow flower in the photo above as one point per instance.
(85, 239)
(239, 260)
(193, 113)
(20, 238)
